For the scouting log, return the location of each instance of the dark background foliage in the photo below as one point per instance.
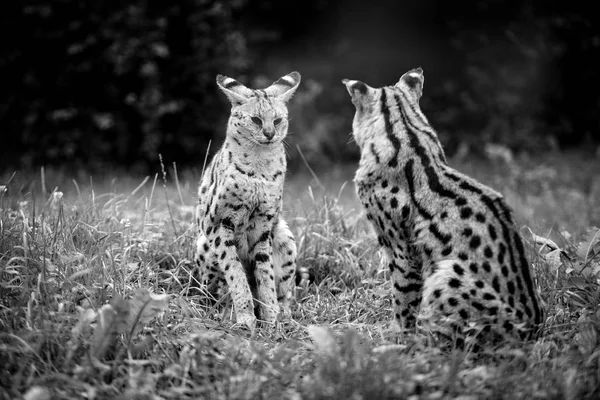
(118, 82)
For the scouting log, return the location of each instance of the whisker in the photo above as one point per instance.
(286, 147)
(351, 139)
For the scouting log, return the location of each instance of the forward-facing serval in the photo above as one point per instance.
(243, 242)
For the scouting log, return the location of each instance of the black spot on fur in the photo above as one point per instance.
(501, 253)
(475, 242)
(261, 257)
(487, 251)
(454, 283)
(458, 270)
(405, 212)
(492, 232)
(496, 284)
(466, 212)
(489, 297)
(511, 287)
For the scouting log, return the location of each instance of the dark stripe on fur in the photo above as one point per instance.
(389, 129)
(442, 237)
(425, 127)
(410, 179)
(433, 179)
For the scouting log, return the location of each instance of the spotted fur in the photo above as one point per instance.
(243, 242)
(455, 255)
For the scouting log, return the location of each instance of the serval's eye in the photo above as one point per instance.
(277, 121)
(257, 121)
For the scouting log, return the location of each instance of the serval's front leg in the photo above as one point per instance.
(407, 281)
(208, 271)
(261, 252)
(406, 270)
(224, 255)
(284, 264)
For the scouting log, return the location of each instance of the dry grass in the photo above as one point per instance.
(64, 259)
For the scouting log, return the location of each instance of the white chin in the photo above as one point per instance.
(268, 142)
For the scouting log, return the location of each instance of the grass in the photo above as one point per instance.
(98, 299)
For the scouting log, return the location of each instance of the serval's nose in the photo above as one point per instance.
(269, 133)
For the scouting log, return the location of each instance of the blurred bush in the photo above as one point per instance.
(113, 81)
(530, 74)
(91, 83)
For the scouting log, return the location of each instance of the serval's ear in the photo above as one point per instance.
(235, 91)
(284, 87)
(414, 80)
(361, 93)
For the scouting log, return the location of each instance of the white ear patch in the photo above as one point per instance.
(235, 91)
(288, 79)
(228, 83)
(414, 75)
(354, 86)
(284, 88)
